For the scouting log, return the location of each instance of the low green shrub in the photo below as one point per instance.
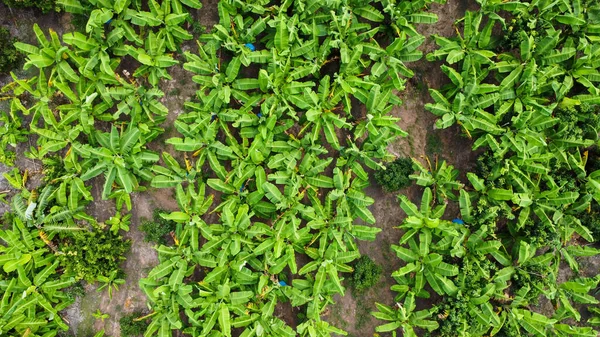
(43, 5)
(131, 328)
(395, 176)
(89, 254)
(366, 274)
(9, 56)
(74, 291)
(158, 228)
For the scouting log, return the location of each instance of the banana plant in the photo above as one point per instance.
(172, 16)
(83, 109)
(235, 33)
(403, 316)
(119, 222)
(51, 54)
(107, 23)
(320, 113)
(174, 175)
(142, 105)
(425, 217)
(193, 204)
(86, 6)
(11, 134)
(32, 287)
(221, 80)
(427, 266)
(71, 191)
(442, 177)
(404, 16)
(153, 58)
(93, 59)
(109, 282)
(121, 157)
(320, 286)
(67, 207)
(471, 46)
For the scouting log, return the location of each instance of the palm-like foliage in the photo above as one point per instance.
(530, 100)
(268, 138)
(121, 158)
(32, 289)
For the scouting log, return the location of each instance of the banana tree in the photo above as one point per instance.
(142, 105)
(32, 287)
(193, 204)
(153, 59)
(83, 109)
(404, 15)
(174, 174)
(320, 113)
(121, 157)
(442, 177)
(93, 59)
(471, 46)
(51, 54)
(318, 328)
(67, 207)
(575, 291)
(426, 265)
(236, 32)
(11, 134)
(118, 222)
(40, 90)
(323, 272)
(107, 23)
(172, 16)
(404, 317)
(221, 80)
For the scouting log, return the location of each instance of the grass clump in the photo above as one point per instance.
(366, 274)
(395, 176)
(90, 255)
(157, 229)
(44, 5)
(132, 328)
(9, 56)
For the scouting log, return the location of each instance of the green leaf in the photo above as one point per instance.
(465, 205)
(11, 266)
(500, 194)
(454, 76)
(124, 178)
(272, 192)
(219, 185)
(179, 217)
(225, 320)
(525, 252)
(320, 181)
(282, 35)
(422, 18)
(43, 275)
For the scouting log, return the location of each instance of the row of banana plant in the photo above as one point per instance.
(529, 97)
(292, 110)
(32, 289)
(85, 115)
